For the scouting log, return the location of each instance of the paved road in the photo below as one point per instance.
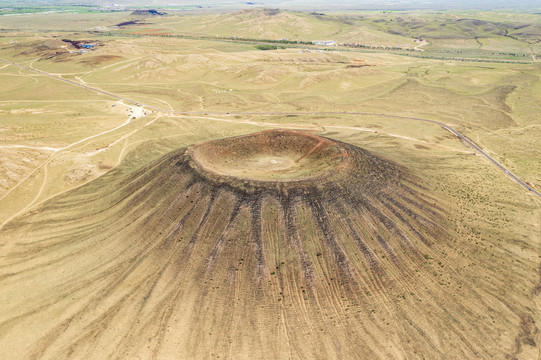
(463, 138)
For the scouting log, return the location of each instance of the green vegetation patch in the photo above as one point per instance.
(268, 47)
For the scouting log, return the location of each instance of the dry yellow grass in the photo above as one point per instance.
(119, 266)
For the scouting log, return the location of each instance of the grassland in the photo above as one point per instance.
(475, 294)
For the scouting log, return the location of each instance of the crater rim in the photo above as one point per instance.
(269, 156)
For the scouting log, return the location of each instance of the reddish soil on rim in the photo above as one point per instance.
(272, 155)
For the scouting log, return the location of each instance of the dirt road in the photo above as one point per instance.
(462, 137)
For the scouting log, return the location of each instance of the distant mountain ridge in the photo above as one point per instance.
(147, 12)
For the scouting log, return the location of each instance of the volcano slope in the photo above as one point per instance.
(279, 244)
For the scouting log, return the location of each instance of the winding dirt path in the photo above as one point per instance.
(460, 136)
(137, 113)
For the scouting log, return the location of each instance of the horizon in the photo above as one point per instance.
(320, 5)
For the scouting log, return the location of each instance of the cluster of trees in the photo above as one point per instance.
(233, 38)
(268, 47)
(271, 41)
(466, 59)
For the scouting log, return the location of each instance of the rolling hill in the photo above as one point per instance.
(279, 244)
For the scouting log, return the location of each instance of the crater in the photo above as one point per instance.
(272, 221)
(272, 155)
